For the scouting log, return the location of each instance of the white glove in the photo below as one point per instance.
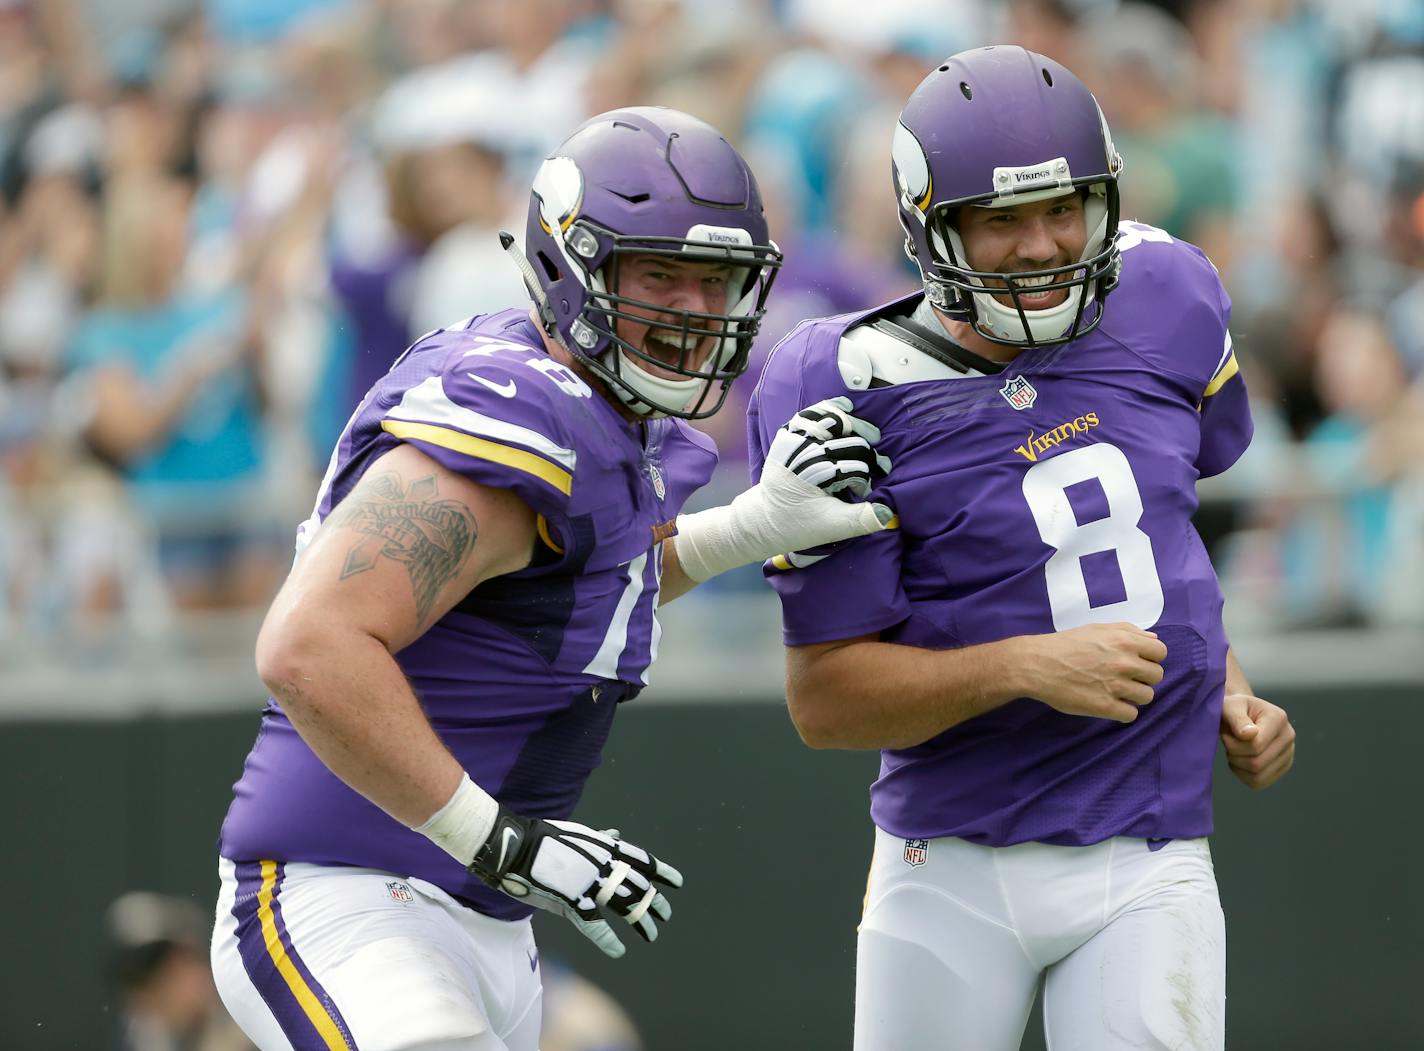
(573, 870)
(821, 454)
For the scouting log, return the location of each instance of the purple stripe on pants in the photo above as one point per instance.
(316, 1025)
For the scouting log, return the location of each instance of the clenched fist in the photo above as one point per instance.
(1106, 671)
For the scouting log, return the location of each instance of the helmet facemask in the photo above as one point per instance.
(971, 295)
(699, 387)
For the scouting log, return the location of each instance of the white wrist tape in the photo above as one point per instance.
(712, 541)
(780, 514)
(463, 824)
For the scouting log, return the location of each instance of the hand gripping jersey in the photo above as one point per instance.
(1056, 493)
(521, 679)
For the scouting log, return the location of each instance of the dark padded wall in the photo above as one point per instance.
(1318, 876)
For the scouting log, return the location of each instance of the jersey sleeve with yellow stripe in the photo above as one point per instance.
(1200, 346)
(1173, 312)
(497, 423)
(1226, 427)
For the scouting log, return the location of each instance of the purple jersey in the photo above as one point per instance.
(1056, 493)
(521, 678)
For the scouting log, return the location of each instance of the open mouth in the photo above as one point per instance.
(675, 350)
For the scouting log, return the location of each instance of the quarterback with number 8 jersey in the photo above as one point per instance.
(1038, 650)
(475, 595)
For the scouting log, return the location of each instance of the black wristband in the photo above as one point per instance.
(506, 846)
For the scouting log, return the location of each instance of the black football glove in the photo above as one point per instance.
(573, 870)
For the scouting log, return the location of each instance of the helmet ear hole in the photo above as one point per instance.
(550, 270)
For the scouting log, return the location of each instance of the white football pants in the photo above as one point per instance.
(1130, 942)
(318, 958)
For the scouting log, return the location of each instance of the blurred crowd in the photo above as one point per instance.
(221, 220)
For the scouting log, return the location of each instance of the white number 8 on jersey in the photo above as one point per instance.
(1045, 487)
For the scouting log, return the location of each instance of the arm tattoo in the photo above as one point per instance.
(432, 537)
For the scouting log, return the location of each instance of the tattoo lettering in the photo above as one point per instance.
(431, 536)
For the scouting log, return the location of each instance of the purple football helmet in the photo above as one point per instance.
(640, 181)
(996, 127)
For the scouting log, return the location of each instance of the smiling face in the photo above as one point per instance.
(1039, 235)
(657, 281)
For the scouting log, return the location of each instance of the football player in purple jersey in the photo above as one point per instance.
(475, 594)
(1038, 650)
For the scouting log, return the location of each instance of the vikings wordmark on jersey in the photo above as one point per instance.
(1023, 514)
(521, 679)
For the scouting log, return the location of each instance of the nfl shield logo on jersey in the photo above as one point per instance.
(400, 892)
(1019, 393)
(656, 476)
(917, 852)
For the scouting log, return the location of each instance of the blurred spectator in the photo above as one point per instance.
(70, 554)
(1281, 54)
(701, 58)
(1377, 115)
(442, 139)
(29, 89)
(304, 183)
(1281, 327)
(579, 1016)
(448, 133)
(541, 54)
(160, 972)
(1049, 27)
(143, 130)
(830, 104)
(175, 402)
(1178, 157)
(1342, 551)
(254, 21)
(796, 122)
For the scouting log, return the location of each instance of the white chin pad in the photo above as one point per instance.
(653, 391)
(1048, 323)
(664, 391)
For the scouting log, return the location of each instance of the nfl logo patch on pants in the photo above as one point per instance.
(917, 852)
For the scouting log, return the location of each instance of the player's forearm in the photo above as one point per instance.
(347, 697)
(675, 581)
(1236, 681)
(883, 695)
